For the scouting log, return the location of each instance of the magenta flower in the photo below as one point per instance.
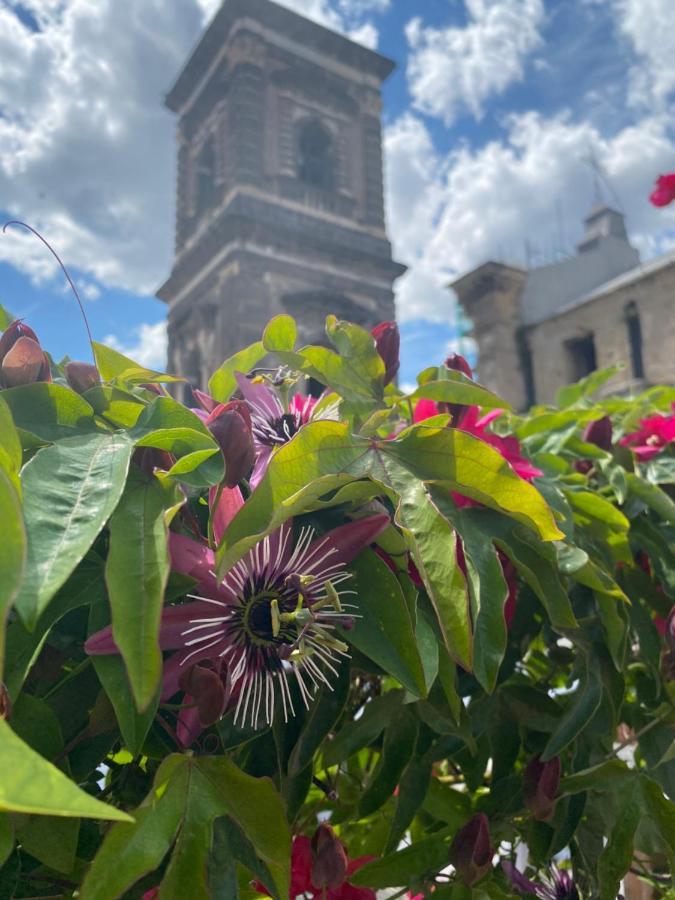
(653, 436)
(664, 191)
(272, 616)
(559, 885)
(273, 426)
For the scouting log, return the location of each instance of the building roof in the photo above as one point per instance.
(282, 21)
(603, 254)
(633, 276)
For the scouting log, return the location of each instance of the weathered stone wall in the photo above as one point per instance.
(604, 318)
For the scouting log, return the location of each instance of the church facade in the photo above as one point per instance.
(540, 329)
(279, 185)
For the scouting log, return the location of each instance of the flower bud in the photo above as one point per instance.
(388, 343)
(5, 703)
(207, 690)
(230, 424)
(82, 376)
(11, 335)
(206, 402)
(329, 860)
(599, 433)
(24, 363)
(471, 852)
(541, 781)
(456, 363)
(154, 388)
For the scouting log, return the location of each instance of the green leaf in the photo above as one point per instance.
(573, 393)
(412, 790)
(36, 786)
(70, 490)
(12, 552)
(473, 468)
(188, 795)
(615, 860)
(114, 366)
(136, 573)
(119, 407)
(280, 333)
(425, 857)
(361, 732)
(222, 383)
(10, 447)
(51, 840)
(322, 716)
(50, 411)
(112, 674)
(6, 838)
(661, 813)
(582, 707)
(6, 318)
(607, 776)
(398, 746)
(448, 386)
(384, 631)
(653, 497)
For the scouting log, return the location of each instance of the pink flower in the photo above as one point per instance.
(272, 425)
(654, 435)
(272, 616)
(664, 192)
(304, 858)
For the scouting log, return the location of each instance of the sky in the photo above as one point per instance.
(491, 121)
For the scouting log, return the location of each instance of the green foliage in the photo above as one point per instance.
(394, 680)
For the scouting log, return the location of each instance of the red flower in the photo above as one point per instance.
(304, 858)
(664, 192)
(655, 433)
(388, 344)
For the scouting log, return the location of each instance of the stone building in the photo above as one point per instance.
(542, 328)
(280, 189)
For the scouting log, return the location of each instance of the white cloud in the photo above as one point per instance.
(648, 24)
(449, 215)
(366, 34)
(359, 7)
(454, 69)
(149, 347)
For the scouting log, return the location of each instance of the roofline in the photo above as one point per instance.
(479, 270)
(285, 20)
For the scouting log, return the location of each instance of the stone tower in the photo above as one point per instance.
(280, 198)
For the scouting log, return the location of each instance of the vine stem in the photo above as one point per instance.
(63, 269)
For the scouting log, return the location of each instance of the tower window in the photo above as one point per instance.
(316, 163)
(634, 329)
(582, 357)
(205, 177)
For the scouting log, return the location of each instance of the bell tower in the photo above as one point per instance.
(280, 190)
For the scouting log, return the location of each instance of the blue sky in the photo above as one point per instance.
(490, 118)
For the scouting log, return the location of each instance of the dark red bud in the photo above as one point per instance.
(207, 690)
(82, 376)
(670, 629)
(24, 363)
(207, 403)
(5, 703)
(12, 333)
(471, 851)
(388, 343)
(329, 859)
(459, 364)
(599, 433)
(456, 363)
(230, 424)
(541, 781)
(150, 458)
(155, 388)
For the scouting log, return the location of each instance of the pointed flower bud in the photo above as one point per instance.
(24, 363)
(207, 690)
(206, 402)
(329, 859)
(388, 343)
(471, 851)
(11, 335)
(456, 363)
(230, 424)
(81, 376)
(599, 433)
(541, 781)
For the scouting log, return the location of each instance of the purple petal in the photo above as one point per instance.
(340, 546)
(229, 504)
(189, 726)
(177, 619)
(175, 665)
(262, 400)
(517, 879)
(101, 643)
(194, 559)
(261, 464)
